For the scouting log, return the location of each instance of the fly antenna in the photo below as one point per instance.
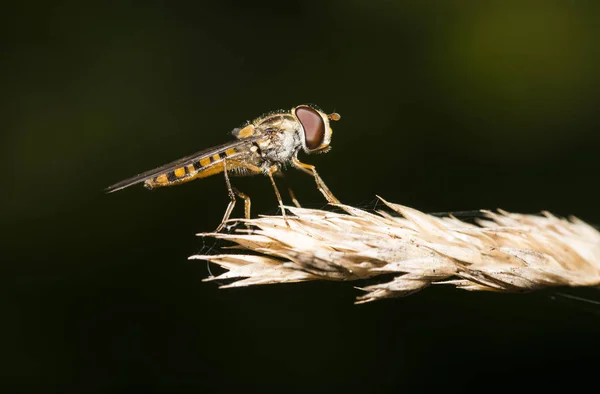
(334, 116)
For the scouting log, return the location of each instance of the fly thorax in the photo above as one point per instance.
(282, 144)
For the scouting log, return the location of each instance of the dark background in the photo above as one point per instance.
(446, 106)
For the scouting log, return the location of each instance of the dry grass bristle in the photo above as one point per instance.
(504, 252)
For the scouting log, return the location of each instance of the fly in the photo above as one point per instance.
(265, 145)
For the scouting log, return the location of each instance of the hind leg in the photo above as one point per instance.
(247, 202)
(231, 204)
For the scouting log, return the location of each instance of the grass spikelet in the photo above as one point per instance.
(503, 252)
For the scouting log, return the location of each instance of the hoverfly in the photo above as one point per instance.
(265, 145)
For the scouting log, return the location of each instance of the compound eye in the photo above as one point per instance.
(314, 127)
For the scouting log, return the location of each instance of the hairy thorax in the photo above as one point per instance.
(281, 145)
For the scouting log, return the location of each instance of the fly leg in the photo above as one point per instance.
(293, 197)
(270, 173)
(252, 169)
(247, 202)
(289, 189)
(311, 170)
(231, 199)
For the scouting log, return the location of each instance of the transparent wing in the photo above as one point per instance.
(179, 163)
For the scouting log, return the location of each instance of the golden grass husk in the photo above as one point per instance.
(502, 251)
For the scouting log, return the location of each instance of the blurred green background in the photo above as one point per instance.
(446, 106)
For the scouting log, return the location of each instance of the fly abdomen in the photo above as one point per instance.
(178, 175)
(201, 168)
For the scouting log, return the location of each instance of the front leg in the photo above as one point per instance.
(311, 170)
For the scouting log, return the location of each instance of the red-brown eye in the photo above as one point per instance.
(314, 127)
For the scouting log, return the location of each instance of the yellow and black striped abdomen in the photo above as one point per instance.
(200, 168)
